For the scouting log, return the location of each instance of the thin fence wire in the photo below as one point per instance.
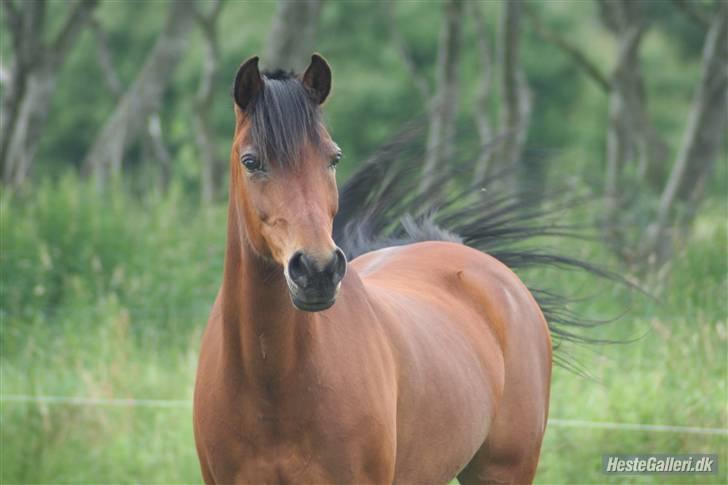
(170, 309)
(92, 401)
(180, 403)
(664, 428)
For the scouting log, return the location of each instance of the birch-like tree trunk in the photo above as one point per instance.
(632, 137)
(516, 108)
(621, 134)
(481, 108)
(443, 110)
(703, 139)
(211, 172)
(32, 79)
(153, 146)
(419, 81)
(292, 37)
(130, 117)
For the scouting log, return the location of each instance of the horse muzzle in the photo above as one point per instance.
(313, 284)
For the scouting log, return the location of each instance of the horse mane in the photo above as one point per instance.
(283, 117)
(380, 206)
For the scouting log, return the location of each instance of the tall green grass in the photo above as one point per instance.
(674, 373)
(103, 295)
(106, 295)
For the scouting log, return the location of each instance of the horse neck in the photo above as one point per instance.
(263, 335)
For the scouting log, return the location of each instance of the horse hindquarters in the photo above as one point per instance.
(511, 451)
(470, 338)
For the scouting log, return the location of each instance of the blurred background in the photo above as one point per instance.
(114, 141)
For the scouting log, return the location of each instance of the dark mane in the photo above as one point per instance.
(278, 74)
(283, 117)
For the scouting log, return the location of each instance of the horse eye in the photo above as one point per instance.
(251, 163)
(335, 160)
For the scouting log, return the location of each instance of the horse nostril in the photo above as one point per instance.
(305, 272)
(338, 266)
(299, 269)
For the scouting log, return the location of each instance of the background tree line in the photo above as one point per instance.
(629, 95)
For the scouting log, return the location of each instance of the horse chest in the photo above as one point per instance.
(283, 462)
(309, 438)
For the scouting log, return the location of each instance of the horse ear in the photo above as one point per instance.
(317, 78)
(248, 83)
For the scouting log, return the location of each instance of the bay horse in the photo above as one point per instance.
(415, 363)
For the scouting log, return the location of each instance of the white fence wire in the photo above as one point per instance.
(179, 403)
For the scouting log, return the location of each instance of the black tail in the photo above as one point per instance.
(380, 207)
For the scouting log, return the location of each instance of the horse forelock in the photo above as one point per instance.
(283, 119)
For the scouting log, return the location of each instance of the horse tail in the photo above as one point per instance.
(381, 205)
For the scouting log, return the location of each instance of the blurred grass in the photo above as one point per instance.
(106, 296)
(674, 374)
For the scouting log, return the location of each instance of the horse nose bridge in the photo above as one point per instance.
(310, 223)
(315, 232)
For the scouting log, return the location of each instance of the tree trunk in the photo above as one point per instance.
(22, 23)
(628, 120)
(618, 152)
(153, 147)
(293, 35)
(105, 61)
(211, 172)
(443, 110)
(702, 141)
(621, 135)
(631, 136)
(481, 108)
(32, 80)
(28, 125)
(153, 141)
(142, 99)
(419, 81)
(644, 144)
(516, 108)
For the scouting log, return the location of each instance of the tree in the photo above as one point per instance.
(480, 109)
(211, 173)
(516, 108)
(32, 79)
(153, 146)
(443, 108)
(631, 135)
(702, 141)
(293, 34)
(123, 127)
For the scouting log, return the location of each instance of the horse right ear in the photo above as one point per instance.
(248, 83)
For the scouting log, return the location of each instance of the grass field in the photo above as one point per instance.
(106, 297)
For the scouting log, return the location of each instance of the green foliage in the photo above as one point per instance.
(674, 374)
(103, 295)
(67, 248)
(374, 95)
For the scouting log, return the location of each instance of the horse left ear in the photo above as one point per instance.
(248, 83)
(317, 78)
